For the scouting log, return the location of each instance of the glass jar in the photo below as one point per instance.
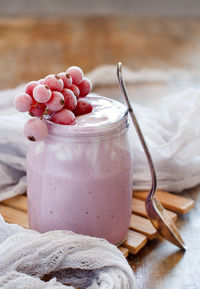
(80, 179)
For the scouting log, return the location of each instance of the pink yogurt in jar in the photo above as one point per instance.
(80, 177)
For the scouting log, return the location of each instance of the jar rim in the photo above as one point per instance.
(101, 105)
(71, 131)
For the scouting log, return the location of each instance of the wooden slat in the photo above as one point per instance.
(124, 251)
(143, 226)
(134, 242)
(12, 215)
(176, 203)
(14, 210)
(18, 202)
(138, 207)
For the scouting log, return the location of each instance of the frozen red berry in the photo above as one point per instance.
(42, 93)
(64, 116)
(85, 87)
(37, 109)
(54, 82)
(23, 102)
(30, 86)
(76, 73)
(70, 99)
(66, 78)
(83, 107)
(56, 101)
(75, 90)
(35, 129)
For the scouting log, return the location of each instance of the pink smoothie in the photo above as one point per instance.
(80, 177)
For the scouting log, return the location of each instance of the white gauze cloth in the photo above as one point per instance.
(62, 256)
(171, 126)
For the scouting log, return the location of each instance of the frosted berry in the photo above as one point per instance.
(30, 86)
(66, 78)
(75, 90)
(85, 87)
(64, 116)
(54, 82)
(23, 102)
(83, 107)
(35, 129)
(42, 93)
(70, 99)
(76, 73)
(37, 109)
(56, 101)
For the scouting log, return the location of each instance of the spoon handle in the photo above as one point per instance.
(138, 130)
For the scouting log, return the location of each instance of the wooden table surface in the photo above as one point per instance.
(32, 48)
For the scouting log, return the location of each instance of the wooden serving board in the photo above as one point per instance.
(141, 230)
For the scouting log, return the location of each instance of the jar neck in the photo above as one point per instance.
(65, 132)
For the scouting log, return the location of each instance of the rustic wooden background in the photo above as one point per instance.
(31, 48)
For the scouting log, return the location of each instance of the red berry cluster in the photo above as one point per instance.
(60, 98)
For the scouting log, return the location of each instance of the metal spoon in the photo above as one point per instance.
(155, 211)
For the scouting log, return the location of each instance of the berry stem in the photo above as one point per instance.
(44, 113)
